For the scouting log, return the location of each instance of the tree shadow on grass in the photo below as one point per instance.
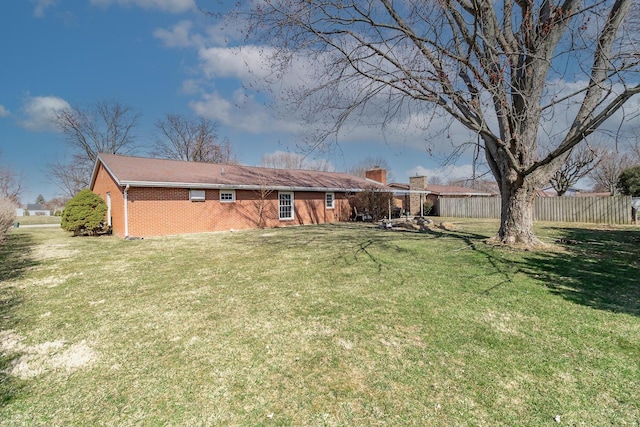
(598, 269)
(381, 240)
(16, 257)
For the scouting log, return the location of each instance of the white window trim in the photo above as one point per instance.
(333, 201)
(292, 206)
(109, 208)
(233, 196)
(197, 195)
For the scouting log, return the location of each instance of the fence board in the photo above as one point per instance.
(592, 209)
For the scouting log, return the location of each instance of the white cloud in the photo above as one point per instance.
(184, 34)
(190, 87)
(4, 112)
(245, 63)
(171, 6)
(215, 107)
(177, 36)
(41, 6)
(242, 111)
(415, 125)
(39, 112)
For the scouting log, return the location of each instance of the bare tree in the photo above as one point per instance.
(11, 184)
(581, 162)
(288, 160)
(7, 217)
(193, 140)
(635, 148)
(261, 203)
(102, 127)
(493, 67)
(373, 202)
(605, 175)
(71, 176)
(438, 180)
(56, 204)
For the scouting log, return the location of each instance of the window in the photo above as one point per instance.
(285, 203)
(330, 200)
(227, 196)
(196, 195)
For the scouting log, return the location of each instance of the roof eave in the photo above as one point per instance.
(199, 185)
(94, 174)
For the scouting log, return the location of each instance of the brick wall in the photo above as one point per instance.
(165, 211)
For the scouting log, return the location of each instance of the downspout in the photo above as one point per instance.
(126, 213)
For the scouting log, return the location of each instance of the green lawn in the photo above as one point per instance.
(38, 219)
(335, 325)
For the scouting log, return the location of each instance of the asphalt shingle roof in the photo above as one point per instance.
(141, 171)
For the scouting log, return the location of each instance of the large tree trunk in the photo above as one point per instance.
(516, 217)
(518, 192)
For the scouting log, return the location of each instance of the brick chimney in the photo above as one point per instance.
(377, 174)
(416, 183)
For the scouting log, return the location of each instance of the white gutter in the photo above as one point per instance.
(126, 212)
(405, 192)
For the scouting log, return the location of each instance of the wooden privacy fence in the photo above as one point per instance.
(593, 209)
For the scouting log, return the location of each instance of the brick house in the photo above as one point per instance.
(154, 197)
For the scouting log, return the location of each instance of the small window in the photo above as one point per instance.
(227, 196)
(196, 195)
(285, 204)
(330, 200)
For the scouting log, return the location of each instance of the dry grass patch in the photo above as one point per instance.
(34, 360)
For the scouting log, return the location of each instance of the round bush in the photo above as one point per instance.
(84, 214)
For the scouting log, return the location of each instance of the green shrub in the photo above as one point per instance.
(85, 214)
(629, 182)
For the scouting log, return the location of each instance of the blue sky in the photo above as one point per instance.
(166, 56)
(159, 57)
